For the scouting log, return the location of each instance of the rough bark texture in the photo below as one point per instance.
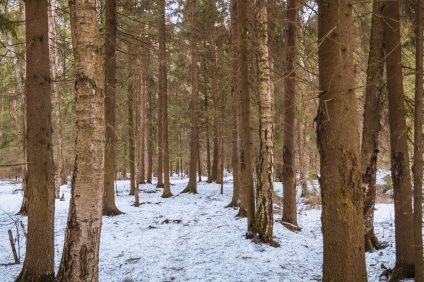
(235, 132)
(264, 216)
(289, 147)
(160, 113)
(80, 255)
(372, 127)
(163, 92)
(149, 119)
(194, 142)
(246, 156)
(338, 144)
(131, 125)
(109, 207)
(55, 89)
(142, 121)
(39, 258)
(418, 145)
(399, 156)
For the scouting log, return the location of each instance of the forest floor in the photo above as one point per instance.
(192, 238)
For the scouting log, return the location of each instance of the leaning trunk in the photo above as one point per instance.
(80, 257)
(371, 128)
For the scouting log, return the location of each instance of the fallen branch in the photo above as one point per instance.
(12, 243)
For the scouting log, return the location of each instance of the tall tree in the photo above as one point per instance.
(265, 181)
(163, 93)
(80, 255)
(194, 141)
(246, 155)
(149, 109)
(338, 144)
(109, 206)
(39, 258)
(235, 132)
(418, 145)
(55, 89)
(399, 156)
(289, 148)
(371, 128)
(131, 67)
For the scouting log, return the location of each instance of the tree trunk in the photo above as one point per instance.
(338, 144)
(246, 156)
(109, 207)
(149, 112)
(194, 142)
(208, 149)
(235, 132)
(372, 127)
(80, 255)
(55, 89)
(199, 162)
(289, 168)
(418, 146)
(142, 121)
(131, 126)
(264, 216)
(163, 93)
(398, 144)
(39, 258)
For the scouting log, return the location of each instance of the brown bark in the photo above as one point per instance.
(372, 127)
(289, 148)
(418, 146)
(194, 141)
(235, 132)
(246, 156)
(39, 258)
(55, 89)
(131, 126)
(208, 149)
(338, 144)
(149, 113)
(109, 207)
(399, 156)
(265, 185)
(142, 121)
(163, 92)
(80, 255)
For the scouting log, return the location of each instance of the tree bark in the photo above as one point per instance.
(372, 127)
(235, 131)
(149, 112)
(289, 148)
(265, 186)
(338, 144)
(194, 142)
(418, 145)
(80, 255)
(163, 93)
(109, 206)
(131, 126)
(398, 144)
(39, 258)
(55, 89)
(246, 156)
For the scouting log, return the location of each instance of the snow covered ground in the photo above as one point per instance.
(192, 238)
